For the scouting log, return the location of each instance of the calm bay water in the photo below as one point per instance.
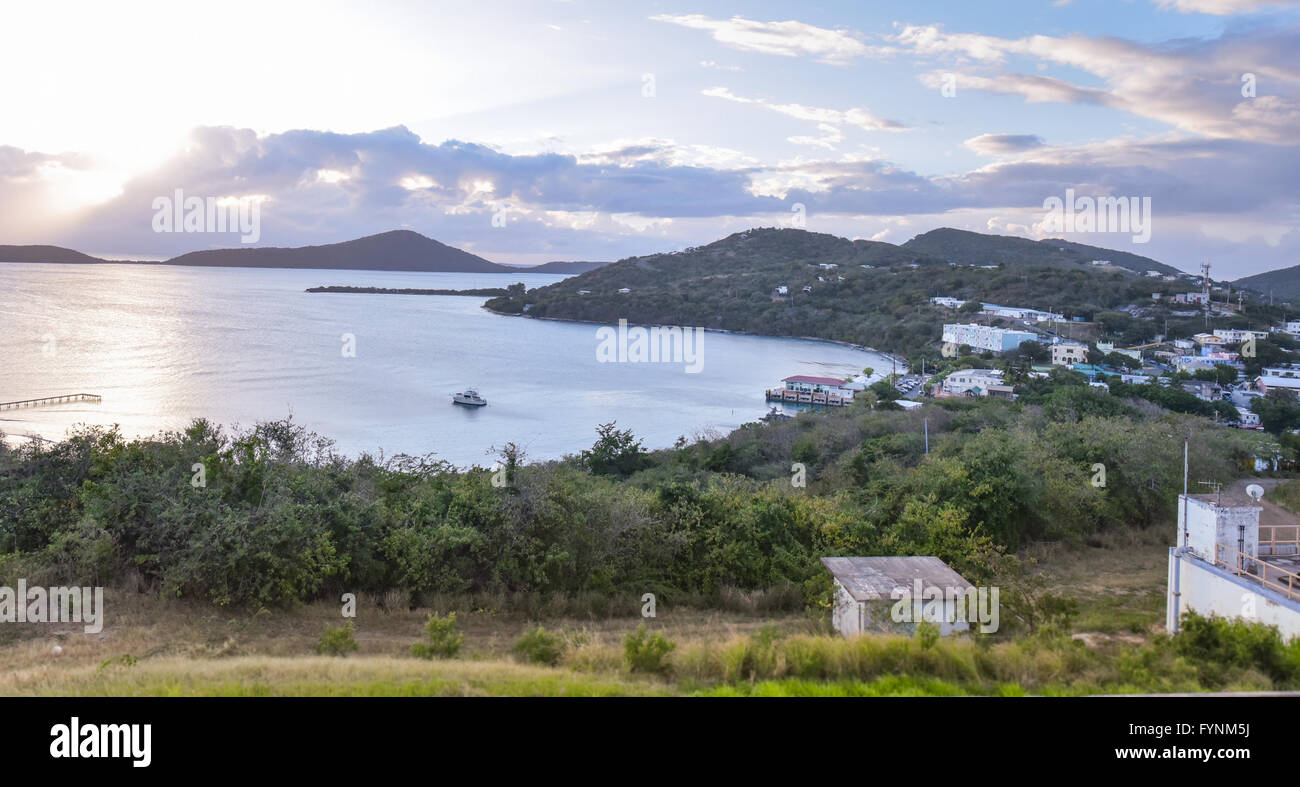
(164, 345)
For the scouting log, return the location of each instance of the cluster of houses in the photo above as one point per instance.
(1202, 351)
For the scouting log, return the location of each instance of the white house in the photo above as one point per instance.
(1069, 353)
(624, 290)
(882, 594)
(976, 382)
(1108, 348)
(948, 301)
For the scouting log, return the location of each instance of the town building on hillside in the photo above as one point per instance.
(1277, 377)
(985, 337)
(1191, 297)
(971, 382)
(1249, 419)
(1194, 363)
(1208, 340)
(1107, 348)
(873, 593)
(1069, 353)
(1204, 390)
(948, 301)
(1238, 336)
(1292, 328)
(1020, 313)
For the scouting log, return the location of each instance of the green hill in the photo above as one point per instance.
(1284, 283)
(876, 295)
(973, 248)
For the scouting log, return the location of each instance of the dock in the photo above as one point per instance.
(46, 401)
(806, 397)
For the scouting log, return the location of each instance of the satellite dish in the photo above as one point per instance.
(1255, 491)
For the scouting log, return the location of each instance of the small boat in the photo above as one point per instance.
(469, 397)
(776, 415)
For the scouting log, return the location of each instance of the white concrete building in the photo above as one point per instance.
(985, 337)
(1108, 348)
(872, 593)
(1237, 337)
(1020, 313)
(1069, 353)
(948, 301)
(1226, 565)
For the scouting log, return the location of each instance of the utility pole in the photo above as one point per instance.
(927, 436)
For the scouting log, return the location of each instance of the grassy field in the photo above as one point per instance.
(154, 647)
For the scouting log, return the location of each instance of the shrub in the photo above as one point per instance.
(540, 646)
(1216, 645)
(444, 641)
(337, 640)
(646, 652)
(927, 634)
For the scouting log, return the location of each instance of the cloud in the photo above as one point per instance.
(1003, 144)
(788, 39)
(1245, 84)
(858, 117)
(1222, 7)
(642, 195)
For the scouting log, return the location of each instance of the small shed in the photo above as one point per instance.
(867, 590)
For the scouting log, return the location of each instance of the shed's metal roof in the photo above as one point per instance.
(871, 578)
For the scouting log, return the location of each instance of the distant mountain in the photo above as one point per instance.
(974, 248)
(399, 250)
(1283, 283)
(566, 267)
(44, 254)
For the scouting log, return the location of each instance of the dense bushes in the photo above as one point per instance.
(271, 516)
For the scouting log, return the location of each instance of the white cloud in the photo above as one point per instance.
(1222, 7)
(858, 117)
(789, 39)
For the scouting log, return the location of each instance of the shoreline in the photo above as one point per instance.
(901, 362)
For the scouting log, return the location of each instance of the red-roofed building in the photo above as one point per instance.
(803, 389)
(804, 380)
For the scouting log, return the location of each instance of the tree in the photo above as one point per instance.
(1278, 410)
(615, 452)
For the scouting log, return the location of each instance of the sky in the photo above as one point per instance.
(534, 131)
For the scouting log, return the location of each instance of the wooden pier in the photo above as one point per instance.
(45, 401)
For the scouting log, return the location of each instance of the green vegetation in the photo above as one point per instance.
(444, 641)
(540, 646)
(275, 518)
(337, 640)
(646, 652)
